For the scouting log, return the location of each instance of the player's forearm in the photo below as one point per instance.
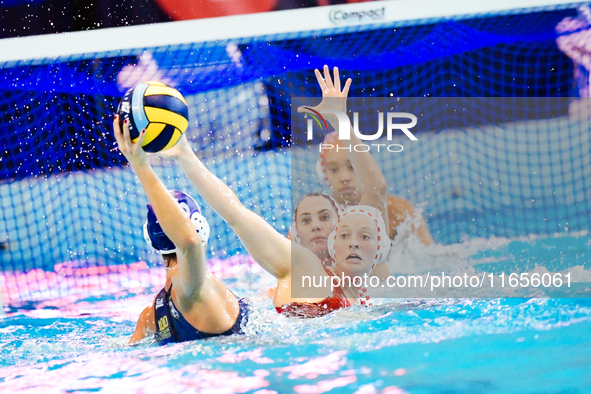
(215, 192)
(365, 166)
(273, 254)
(175, 224)
(370, 175)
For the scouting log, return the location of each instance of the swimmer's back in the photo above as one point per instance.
(172, 326)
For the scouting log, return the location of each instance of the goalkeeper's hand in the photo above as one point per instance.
(332, 96)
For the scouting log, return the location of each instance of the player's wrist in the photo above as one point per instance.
(184, 155)
(186, 151)
(139, 163)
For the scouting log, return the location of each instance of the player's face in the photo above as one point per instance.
(344, 183)
(315, 221)
(356, 245)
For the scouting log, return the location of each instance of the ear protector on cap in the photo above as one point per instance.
(155, 236)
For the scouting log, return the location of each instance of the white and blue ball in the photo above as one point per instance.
(158, 108)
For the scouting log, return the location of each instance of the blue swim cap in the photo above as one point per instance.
(154, 234)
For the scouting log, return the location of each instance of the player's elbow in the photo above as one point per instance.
(187, 236)
(190, 241)
(379, 186)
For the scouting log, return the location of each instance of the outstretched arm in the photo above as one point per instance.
(366, 168)
(176, 225)
(267, 247)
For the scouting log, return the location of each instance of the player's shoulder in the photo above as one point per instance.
(147, 312)
(399, 204)
(148, 317)
(146, 324)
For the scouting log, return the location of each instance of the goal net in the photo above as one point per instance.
(71, 211)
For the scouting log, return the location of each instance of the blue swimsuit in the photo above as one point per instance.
(171, 326)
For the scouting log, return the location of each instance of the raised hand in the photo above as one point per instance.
(332, 95)
(133, 151)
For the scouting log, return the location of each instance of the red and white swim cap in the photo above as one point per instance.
(376, 215)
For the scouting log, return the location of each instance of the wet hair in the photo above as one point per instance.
(316, 194)
(168, 258)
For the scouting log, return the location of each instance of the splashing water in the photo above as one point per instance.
(400, 345)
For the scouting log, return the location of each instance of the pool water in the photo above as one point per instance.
(539, 345)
